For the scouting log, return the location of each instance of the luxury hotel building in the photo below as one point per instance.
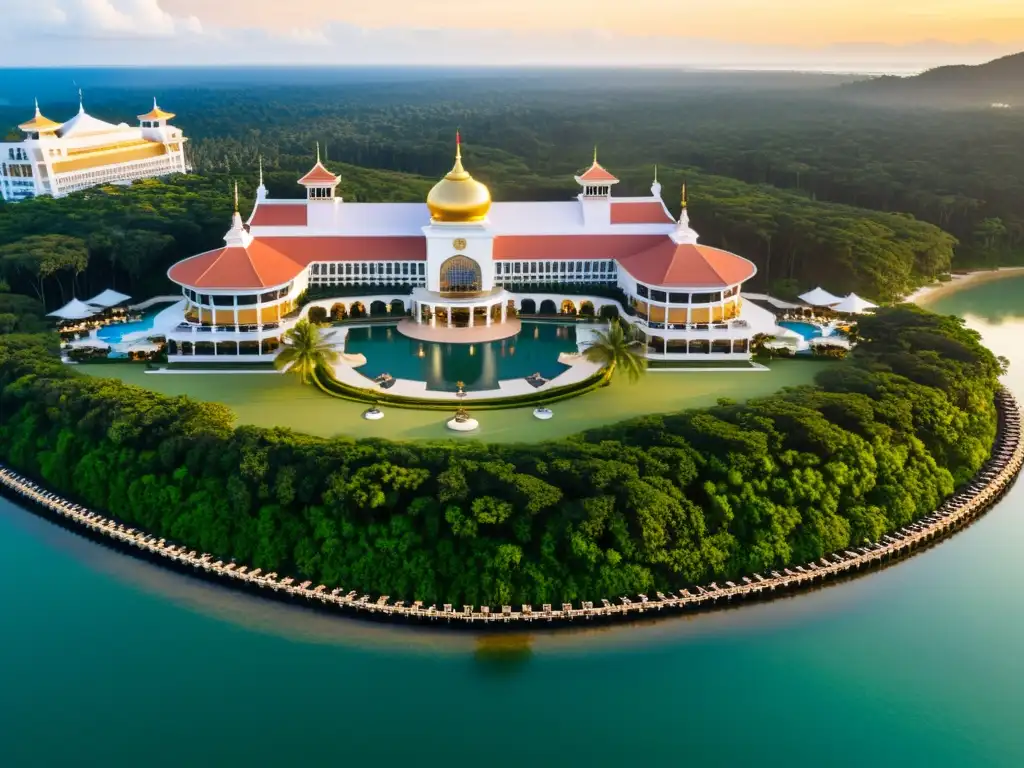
(461, 261)
(60, 158)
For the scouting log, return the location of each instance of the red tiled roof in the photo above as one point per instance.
(652, 212)
(691, 266)
(270, 261)
(529, 247)
(258, 266)
(305, 250)
(280, 215)
(596, 173)
(318, 175)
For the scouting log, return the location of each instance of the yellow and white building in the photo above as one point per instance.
(57, 159)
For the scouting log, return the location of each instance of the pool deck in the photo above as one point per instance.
(478, 334)
(579, 369)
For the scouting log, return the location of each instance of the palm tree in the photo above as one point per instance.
(303, 348)
(614, 347)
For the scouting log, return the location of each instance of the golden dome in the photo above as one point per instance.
(458, 197)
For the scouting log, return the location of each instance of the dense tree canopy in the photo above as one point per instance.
(812, 188)
(657, 502)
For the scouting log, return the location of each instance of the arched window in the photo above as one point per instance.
(460, 274)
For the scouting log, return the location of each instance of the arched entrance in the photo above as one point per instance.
(547, 307)
(397, 307)
(568, 308)
(587, 309)
(528, 307)
(460, 274)
(357, 309)
(338, 312)
(378, 308)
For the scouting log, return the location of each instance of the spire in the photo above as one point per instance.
(81, 102)
(458, 144)
(38, 113)
(595, 154)
(318, 153)
(238, 235)
(685, 196)
(261, 190)
(684, 232)
(458, 172)
(155, 107)
(656, 186)
(655, 173)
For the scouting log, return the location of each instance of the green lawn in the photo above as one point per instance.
(274, 400)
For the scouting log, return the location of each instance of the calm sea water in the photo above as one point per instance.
(107, 661)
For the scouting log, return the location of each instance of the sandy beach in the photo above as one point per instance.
(929, 293)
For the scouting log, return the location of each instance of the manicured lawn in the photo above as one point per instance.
(275, 400)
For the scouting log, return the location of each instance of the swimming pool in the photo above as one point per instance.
(807, 330)
(114, 334)
(535, 349)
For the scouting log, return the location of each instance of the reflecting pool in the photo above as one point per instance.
(535, 349)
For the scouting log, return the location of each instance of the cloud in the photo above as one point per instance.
(99, 19)
(306, 36)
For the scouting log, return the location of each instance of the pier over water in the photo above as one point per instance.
(976, 497)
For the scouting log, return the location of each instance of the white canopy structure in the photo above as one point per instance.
(109, 298)
(75, 310)
(854, 305)
(819, 297)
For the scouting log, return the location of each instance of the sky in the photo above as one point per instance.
(836, 35)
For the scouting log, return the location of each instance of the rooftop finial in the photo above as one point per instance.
(655, 173)
(685, 198)
(38, 113)
(458, 144)
(595, 154)
(261, 170)
(155, 107)
(236, 197)
(318, 152)
(81, 102)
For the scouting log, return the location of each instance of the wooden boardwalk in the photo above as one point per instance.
(987, 487)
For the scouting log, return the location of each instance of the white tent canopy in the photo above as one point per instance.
(854, 305)
(109, 298)
(75, 310)
(819, 297)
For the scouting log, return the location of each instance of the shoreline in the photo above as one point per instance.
(987, 487)
(930, 293)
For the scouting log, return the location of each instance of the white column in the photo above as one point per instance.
(448, 309)
(418, 311)
(487, 322)
(471, 311)
(504, 311)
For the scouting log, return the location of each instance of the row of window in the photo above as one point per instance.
(414, 280)
(378, 268)
(235, 300)
(16, 171)
(72, 182)
(553, 268)
(666, 297)
(16, 153)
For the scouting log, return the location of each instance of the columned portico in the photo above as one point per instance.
(487, 311)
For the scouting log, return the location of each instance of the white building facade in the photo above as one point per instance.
(57, 159)
(461, 261)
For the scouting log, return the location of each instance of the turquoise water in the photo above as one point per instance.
(535, 349)
(113, 334)
(108, 661)
(807, 330)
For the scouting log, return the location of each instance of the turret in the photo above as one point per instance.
(154, 123)
(320, 183)
(596, 195)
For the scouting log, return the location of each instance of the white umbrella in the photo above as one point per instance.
(819, 297)
(854, 305)
(75, 310)
(109, 298)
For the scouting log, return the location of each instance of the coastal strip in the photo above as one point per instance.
(930, 293)
(991, 482)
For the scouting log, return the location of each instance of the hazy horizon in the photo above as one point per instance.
(848, 36)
